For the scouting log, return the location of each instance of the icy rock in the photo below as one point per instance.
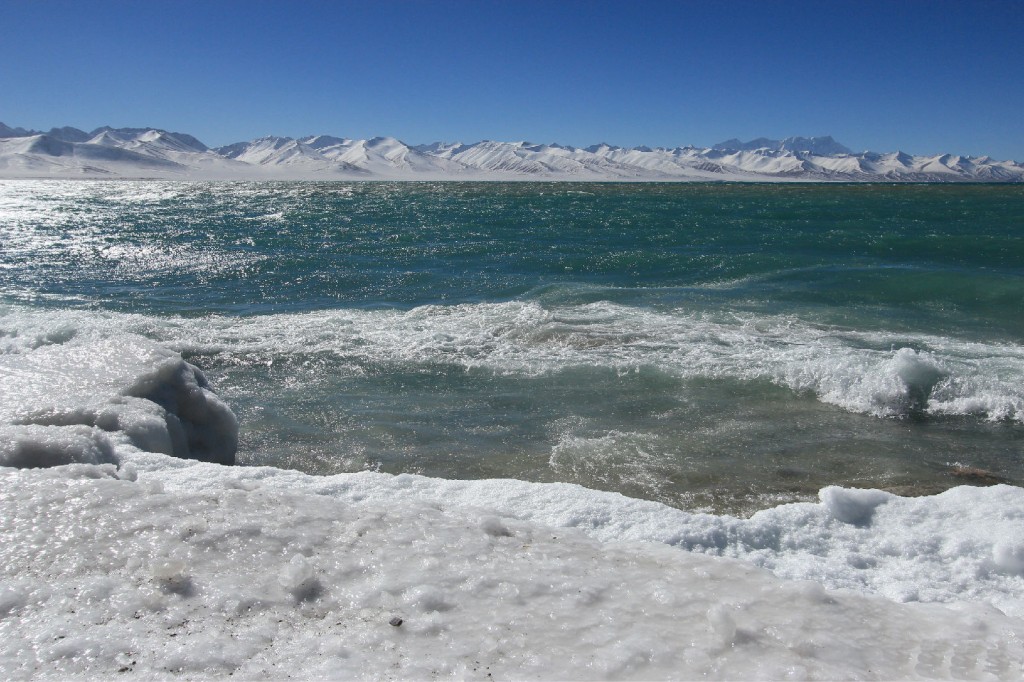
(723, 624)
(128, 472)
(208, 425)
(169, 571)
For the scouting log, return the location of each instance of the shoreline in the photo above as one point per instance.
(178, 569)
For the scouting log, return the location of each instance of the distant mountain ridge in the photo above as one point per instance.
(154, 153)
(824, 146)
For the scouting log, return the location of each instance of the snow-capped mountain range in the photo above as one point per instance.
(153, 153)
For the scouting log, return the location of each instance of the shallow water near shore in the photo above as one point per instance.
(720, 347)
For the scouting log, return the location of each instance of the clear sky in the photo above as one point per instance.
(921, 76)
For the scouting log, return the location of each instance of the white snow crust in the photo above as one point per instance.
(171, 568)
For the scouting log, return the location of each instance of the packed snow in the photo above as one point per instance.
(151, 153)
(167, 568)
(122, 552)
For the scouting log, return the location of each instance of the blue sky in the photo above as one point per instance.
(921, 76)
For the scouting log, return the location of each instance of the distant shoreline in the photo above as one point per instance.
(514, 179)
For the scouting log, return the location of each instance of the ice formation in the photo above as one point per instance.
(198, 570)
(77, 399)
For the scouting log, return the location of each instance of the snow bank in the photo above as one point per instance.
(201, 571)
(957, 546)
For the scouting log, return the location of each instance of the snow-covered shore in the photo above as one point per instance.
(169, 568)
(127, 557)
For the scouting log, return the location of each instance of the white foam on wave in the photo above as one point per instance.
(612, 460)
(878, 373)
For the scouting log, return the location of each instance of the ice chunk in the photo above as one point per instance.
(10, 600)
(32, 446)
(494, 526)
(1009, 556)
(209, 425)
(299, 578)
(427, 598)
(98, 396)
(169, 570)
(722, 623)
(172, 575)
(852, 505)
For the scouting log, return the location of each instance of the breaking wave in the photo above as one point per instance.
(884, 374)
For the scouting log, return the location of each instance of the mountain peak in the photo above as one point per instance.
(68, 134)
(7, 131)
(324, 141)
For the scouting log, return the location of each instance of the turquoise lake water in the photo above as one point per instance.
(710, 346)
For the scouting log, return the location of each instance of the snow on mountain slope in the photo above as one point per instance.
(311, 157)
(683, 163)
(150, 152)
(383, 156)
(114, 153)
(510, 159)
(158, 144)
(171, 141)
(49, 156)
(501, 157)
(270, 150)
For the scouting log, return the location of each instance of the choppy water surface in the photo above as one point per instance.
(708, 346)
